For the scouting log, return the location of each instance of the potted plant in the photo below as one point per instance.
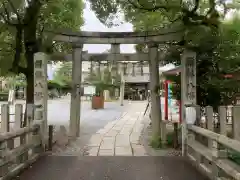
(98, 98)
(102, 81)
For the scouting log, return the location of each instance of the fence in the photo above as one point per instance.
(215, 150)
(19, 146)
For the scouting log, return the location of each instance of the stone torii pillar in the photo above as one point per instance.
(133, 69)
(122, 86)
(115, 49)
(74, 126)
(154, 89)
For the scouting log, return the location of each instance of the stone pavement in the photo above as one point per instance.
(109, 151)
(120, 137)
(111, 168)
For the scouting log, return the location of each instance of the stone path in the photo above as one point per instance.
(111, 168)
(109, 151)
(122, 136)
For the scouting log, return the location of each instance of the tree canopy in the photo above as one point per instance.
(215, 59)
(190, 12)
(22, 25)
(215, 41)
(16, 18)
(63, 75)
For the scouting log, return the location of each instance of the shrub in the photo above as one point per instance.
(156, 142)
(3, 96)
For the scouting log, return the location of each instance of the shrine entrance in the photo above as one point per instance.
(136, 91)
(78, 39)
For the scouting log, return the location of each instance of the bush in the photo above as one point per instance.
(53, 85)
(3, 96)
(170, 139)
(156, 142)
(234, 156)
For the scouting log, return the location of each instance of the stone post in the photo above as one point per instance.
(236, 122)
(125, 69)
(222, 112)
(74, 127)
(106, 95)
(188, 89)
(99, 69)
(210, 123)
(122, 86)
(133, 69)
(141, 68)
(102, 69)
(40, 93)
(115, 49)
(154, 89)
(91, 67)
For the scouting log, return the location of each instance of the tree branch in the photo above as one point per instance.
(212, 5)
(197, 2)
(155, 7)
(15, 11)
(189, 17)
(33, 7)
(6, 16)
(4, 50)
(18, 50)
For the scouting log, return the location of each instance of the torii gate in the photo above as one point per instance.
(77, 39)
(119, 59)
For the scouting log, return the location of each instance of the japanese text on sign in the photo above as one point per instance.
(190, 78)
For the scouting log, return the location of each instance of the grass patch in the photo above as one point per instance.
(234, 156)
(156, 142)
(3, 96)
(170, 139)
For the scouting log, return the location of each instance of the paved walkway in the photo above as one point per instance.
(114, 153)
(120, 137)
(111, 168)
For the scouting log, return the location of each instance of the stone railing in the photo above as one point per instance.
(216, 152)
(19, 147)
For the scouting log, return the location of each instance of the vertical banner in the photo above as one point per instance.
(169, 96)
(40, 88)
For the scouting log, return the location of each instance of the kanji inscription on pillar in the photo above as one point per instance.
(38, 74)
(190, 68)
(40, 87)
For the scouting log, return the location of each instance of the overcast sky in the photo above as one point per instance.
(93, 24)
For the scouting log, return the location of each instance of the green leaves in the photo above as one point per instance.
(53, 14)
(217, 55)
(63, 75)
(103, 81)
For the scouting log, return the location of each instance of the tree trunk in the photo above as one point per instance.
(31, 47)
(30, 84)
(30, 87)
